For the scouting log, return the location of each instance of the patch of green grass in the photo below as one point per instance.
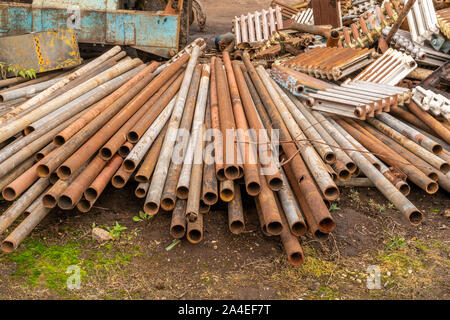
(334, 207)
(326, 293)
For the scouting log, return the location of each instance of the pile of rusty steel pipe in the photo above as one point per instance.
(194, 132)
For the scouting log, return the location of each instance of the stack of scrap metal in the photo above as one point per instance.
(331, 63)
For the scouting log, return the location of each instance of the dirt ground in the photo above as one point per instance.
(413, 261)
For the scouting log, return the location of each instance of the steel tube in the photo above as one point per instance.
(194, 232)
(215, 124)
(209, 185)
(226, 191)
(45, 151)
(17, 171)
(250, 166)
(411, 133)
(195, 186)
(311, 158)
(28, 91)
(291, 209)
(311, 198)
(437, 127)
(101, 181)
(16, 126)
(168, 197)
(19, 206)
(120, 97)
(178, 222)
(236, 221)
(148, 165)
(125, 149)
(153, 199)
(413, 215)
(269, 166)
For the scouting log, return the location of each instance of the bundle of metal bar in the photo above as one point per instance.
(330, 62)
(390, 68)
(257, 26)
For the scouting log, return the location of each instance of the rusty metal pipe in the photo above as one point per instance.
(156, 103)
(18, 125)
(45, 151)
(195, 186)
(226, 191)
(183, 184)
(227, 124)
(411, 133)
(250, 99)
(136, 155)
(72, 195)
(423, 153)
(209, 188)
(125, 149)
(437, 127)
(16, 172)
(24, 229)
(141, 190)
(168, 197)
(19, 206)
(51, 197)
(215, 123)
(194, 232)
(291, 209)
(153, 199)
(311, 158)
(413, 215)
(357, 182)
(120, 97)
(178, 223)
(391, 157)
(121, 177)
(99, 184)
(407, 116)
(236, 221)
(148, 165)
(250, 166)
(312, 198)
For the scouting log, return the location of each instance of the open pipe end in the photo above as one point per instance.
(330, 157)
(90, 194)
(433, 176)
(64, 172)
(28, 130)
(84, 206)
(331, 193)
(431, 188)
(437, 149)
(118, 182)
(124, 151)
(49, 201)
(344, 175)
(327, 225)
(321, 236)
(140, 193)
(59, 140)
(177, 231)
(132, 137)
(151, 208)
(232, 172)
(296, 258)
(275, 184)
(39, 156)
(8, 246)
(210, 198)
(444, 168)
(140, 178)
(106, 153)
(53, 178)
(236, 227)
(404, 188)
(299, 229)
(195, 236)
(221, 174)
(43, 171)
(167, 204)
(274, 228)
(415, 217)
(226, 195)
(9, 194)
(253, 188)
(351, 166)
(183, 192)
(65, 202)
(129, 165)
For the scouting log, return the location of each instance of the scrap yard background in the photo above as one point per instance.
(414, 261)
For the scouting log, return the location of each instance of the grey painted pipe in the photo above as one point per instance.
(153, 199)
(27, 91)
(18, 125)
(25, 200)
